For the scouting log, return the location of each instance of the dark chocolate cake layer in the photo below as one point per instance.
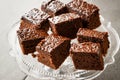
(87, 56)
(66, 24)
(29, 38)
(89, 13)
(53, 50)
(86, 35)
(54, 7)
(35, 19)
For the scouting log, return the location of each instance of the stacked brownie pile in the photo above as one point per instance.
(76, 19)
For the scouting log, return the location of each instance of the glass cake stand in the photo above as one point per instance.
(33, 68)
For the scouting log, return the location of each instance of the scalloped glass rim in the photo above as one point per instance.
(33, 70)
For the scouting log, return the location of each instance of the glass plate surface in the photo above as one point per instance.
(32, 67)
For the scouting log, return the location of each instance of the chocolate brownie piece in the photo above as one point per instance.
(54, 7)
(66, 24)
(53, 50)
(88, 12)
(86, 35)
(87, 56)
(45, 4)
(35, 19)
(29, 38)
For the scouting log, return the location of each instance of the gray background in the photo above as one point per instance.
(10, 12)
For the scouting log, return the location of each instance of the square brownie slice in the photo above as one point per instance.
(88, 12)
(54, 7)
(45, 4)
(53, 50)
(87, 56)
(86, 35)
(35, 19)
(29, 38)
(66, 24)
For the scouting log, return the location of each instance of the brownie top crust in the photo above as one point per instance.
(35, 16)
(87, 47)
(92, 33)
(51, 42)
(46, 3)
(31, 34)
(83, 8)
(63, 17)
(55, 5)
